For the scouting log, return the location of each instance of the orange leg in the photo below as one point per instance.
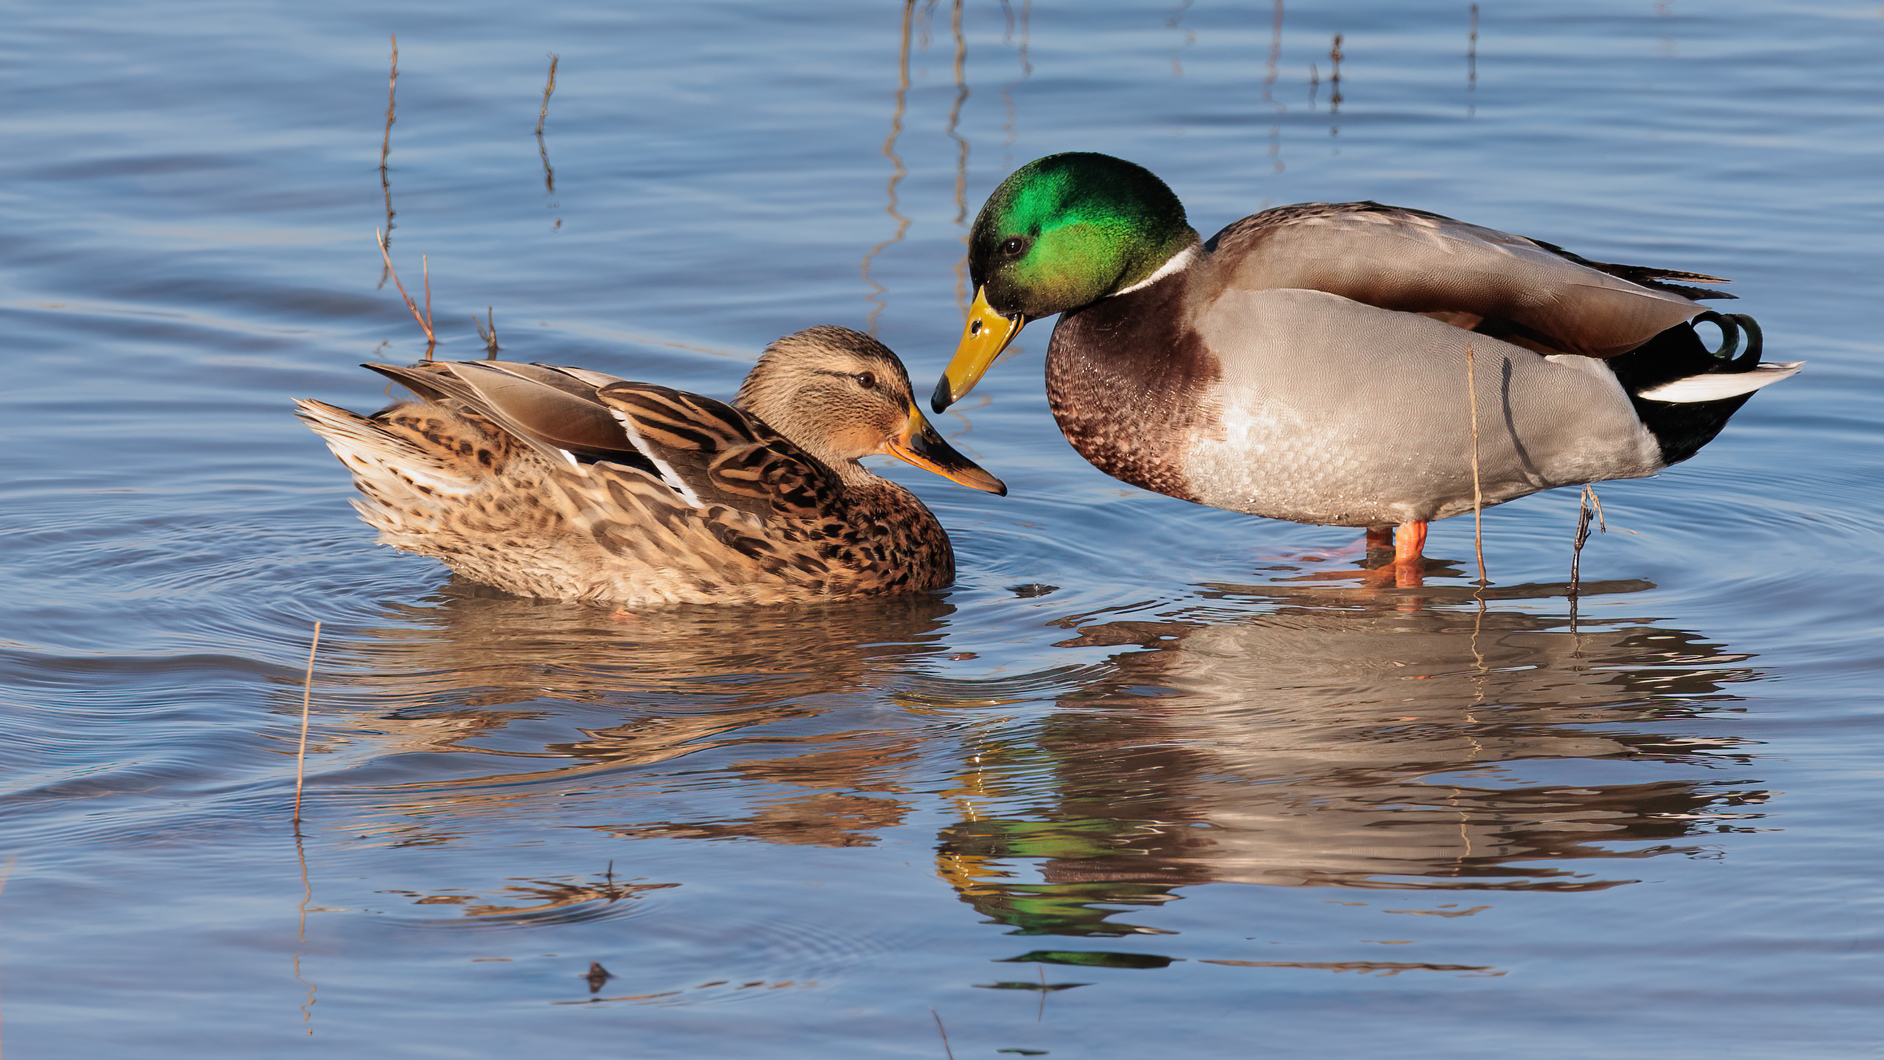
(1409, 565)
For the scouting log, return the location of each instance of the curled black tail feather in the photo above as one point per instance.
(1682, 428)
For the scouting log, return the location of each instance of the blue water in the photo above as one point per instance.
(1152, 779)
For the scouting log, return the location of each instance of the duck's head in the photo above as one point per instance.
(1062, 232)
(840, 396)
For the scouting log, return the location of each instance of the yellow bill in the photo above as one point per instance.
(985, 335)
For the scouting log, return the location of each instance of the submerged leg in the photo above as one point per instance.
(1408, 542)
(1409, 565)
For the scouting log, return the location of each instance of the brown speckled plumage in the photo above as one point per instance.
(569, 484)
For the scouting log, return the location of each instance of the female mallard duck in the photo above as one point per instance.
(1311, 362)
(570, 484)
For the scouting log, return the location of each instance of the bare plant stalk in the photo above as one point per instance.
(392, 83)
(1478, 493)
(307, 899)
(307, 702)
(425, 321)
(425, 269)
(547, 89)
(1334, 80)
(385, 146)
(542, 149)
(950, 1053)
(1585, 503)
(1471, 53)
(488, 334)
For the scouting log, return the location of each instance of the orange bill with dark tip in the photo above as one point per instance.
(919, 444)
(985, 335)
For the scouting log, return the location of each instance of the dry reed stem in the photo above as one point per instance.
(392, 83)
(1270, 69)
(307, 899)
(1478, 493)
(385, 146)
(542, 149)
(1584, 504)
(1334, 79)
(950, 1053)
(897, 172)
(547, 89)
(488, 334)
(307, 702)
(1471, 53)
(425, 322)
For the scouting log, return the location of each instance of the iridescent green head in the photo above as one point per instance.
(1066, 230)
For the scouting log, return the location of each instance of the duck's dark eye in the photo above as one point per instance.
(1013, 246)
(867, 380)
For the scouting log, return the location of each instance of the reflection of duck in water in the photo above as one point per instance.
(466, 643)
(570, 484)
(500, 704)
(1321, 363)
(1362, 748)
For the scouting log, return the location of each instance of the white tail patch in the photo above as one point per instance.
(669, 476)
(378, 455)
(1713, 386)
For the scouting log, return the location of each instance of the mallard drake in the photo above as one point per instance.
(569, 484)
(1310, 362)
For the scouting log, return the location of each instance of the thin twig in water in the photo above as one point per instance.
(547, 89)
(307, 702)
(385, 147)
(945, 1034)
(1478, 493)
(392, 83)
(1584, 504)
(1471, 53)
(425, 321)
(1269, 80)
(488, 334)
(549, 175)
(897, 172)
(1334, 79)
(307, 899)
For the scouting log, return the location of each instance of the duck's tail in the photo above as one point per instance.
(406, 475)
(1684, 392)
